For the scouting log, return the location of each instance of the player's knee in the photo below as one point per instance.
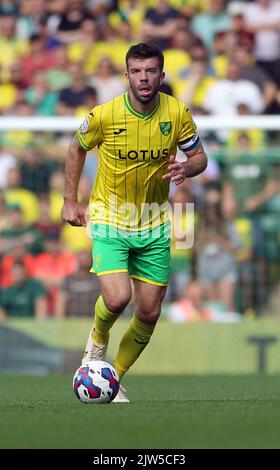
(149, 316)
(117, 304)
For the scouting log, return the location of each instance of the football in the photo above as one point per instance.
(96, 382)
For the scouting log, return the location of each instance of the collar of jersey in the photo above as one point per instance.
(136, 113)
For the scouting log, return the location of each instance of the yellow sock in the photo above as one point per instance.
(103, 321)
(132, 344)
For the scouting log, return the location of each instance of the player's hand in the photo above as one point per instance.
(177, 172)
(74, 213)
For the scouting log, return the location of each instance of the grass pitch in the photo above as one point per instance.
(187, 412)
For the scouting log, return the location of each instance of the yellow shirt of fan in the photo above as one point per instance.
(133, 150)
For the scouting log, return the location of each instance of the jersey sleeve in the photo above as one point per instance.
(90, 131)
(188, 138)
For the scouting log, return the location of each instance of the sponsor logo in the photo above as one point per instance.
(144, 154)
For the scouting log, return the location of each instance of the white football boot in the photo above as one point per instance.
(94, 352)
(120, 397)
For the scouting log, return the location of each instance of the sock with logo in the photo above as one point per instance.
(132, 344)
(103, 321)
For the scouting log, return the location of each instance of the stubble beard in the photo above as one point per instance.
(145, 99)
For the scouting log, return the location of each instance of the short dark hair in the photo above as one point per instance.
(145, 50)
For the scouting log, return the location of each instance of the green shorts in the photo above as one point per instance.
(144, 255)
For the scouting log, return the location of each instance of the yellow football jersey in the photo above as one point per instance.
(133, 149)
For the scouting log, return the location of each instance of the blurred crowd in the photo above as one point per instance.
(61, 58)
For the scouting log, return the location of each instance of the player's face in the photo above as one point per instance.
(145, 78)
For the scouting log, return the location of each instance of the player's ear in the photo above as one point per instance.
(162, 76)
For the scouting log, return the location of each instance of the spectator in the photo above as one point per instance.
(45, 224)
(257, 75)
(11, 47)
(226, 95)
(263, 18)
(75, 240)
(250, 183)
(206, 24)
(69, 26)
(59, 77)
(249, 180)
(226, 41)
(189, 306)
(37, 59)
(100, 9)
(130, 11)
(16, 79)
(238, 28)
(17, 231)
(17, 254)
(56, 195)
(39, 95)
(16, 140)
(51, 42)
(196, 86)
(7, 162)
(216, 244)
(125, 37)
(183, 221)
(24, 298)
(80, 290)
(177, 57)
(8, 96)
(31, 13)
(52, 266)
(160, 24)
(76, 95)
(4, 218)
(107, 83)
(249, 140)
(15, 193)
(87, 50)
(8, 7)
(35, 172)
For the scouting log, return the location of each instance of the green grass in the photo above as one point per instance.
(165, 412)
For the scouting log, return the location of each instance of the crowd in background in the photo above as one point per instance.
(61, 58)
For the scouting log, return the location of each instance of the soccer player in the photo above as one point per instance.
(137, 135)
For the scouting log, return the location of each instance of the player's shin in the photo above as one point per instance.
(132, 344)
(103, 322)
(99, 336)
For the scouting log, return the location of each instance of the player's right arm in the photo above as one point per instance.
(72, 211)
(88, 136)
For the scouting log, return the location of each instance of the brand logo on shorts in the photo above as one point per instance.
(97, 261)
(165, 127)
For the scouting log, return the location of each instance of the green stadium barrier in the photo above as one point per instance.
(198, 348)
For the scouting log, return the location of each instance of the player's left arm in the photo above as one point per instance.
(189, 142)
(195, 164)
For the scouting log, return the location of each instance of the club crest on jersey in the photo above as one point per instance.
(165, 127)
